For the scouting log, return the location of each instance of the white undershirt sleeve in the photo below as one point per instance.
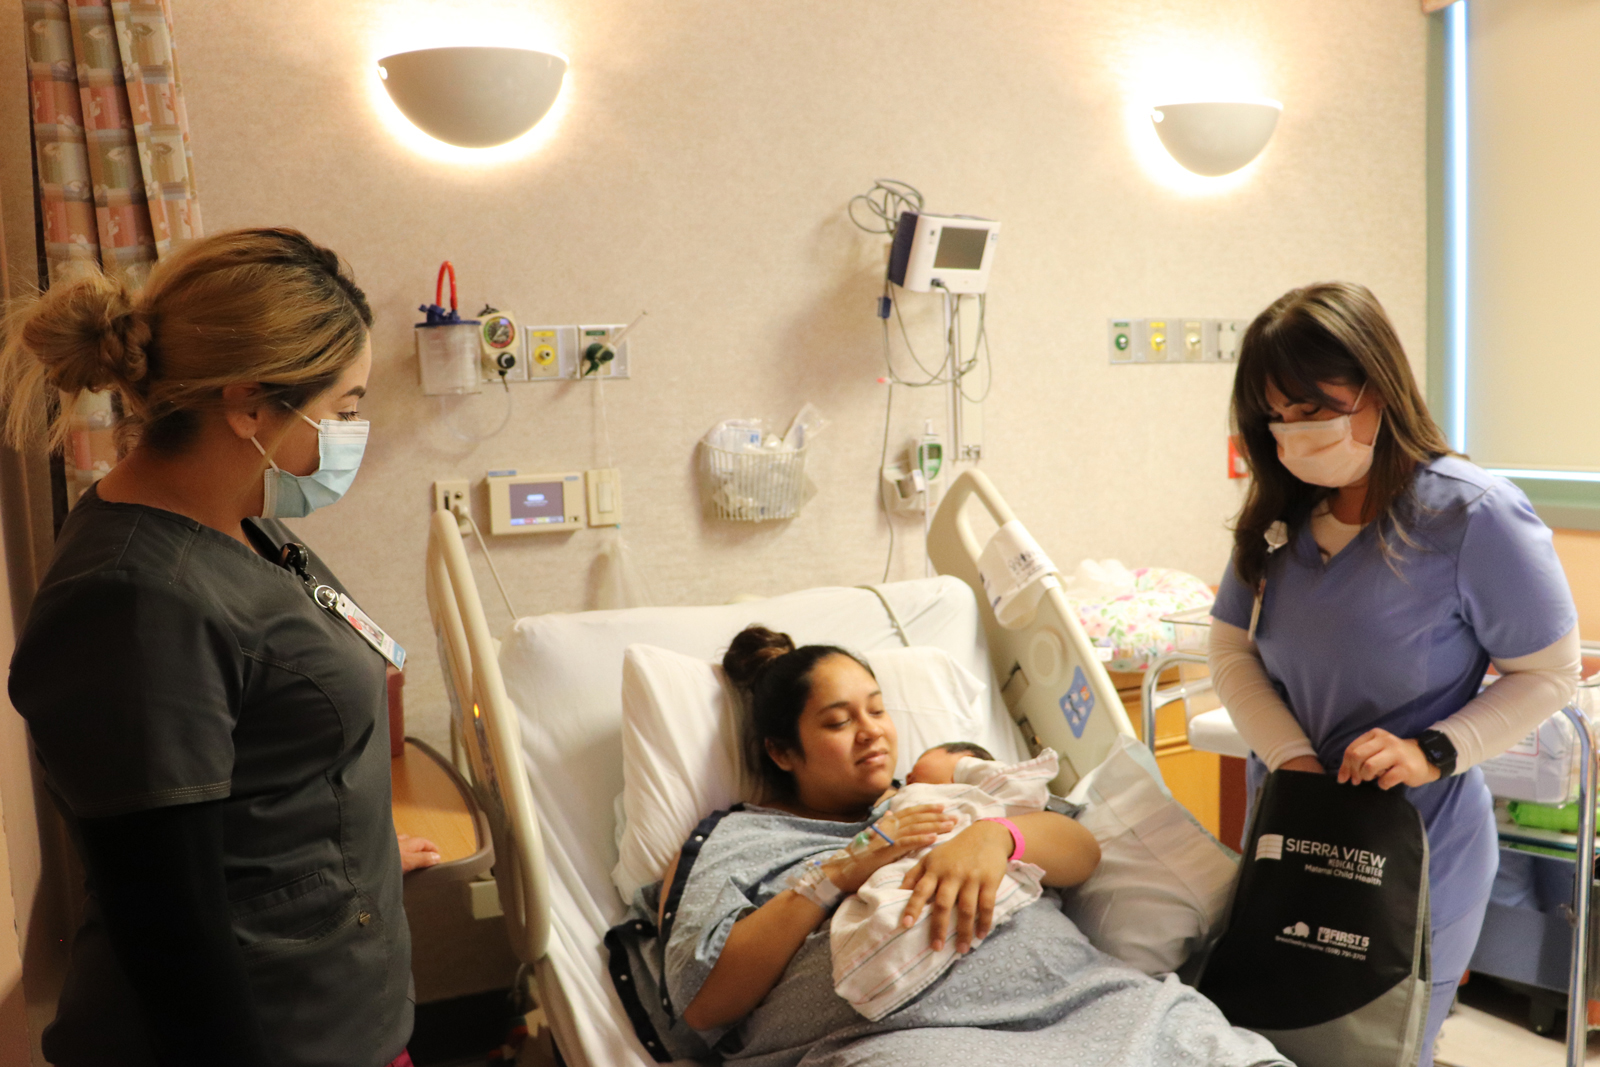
(1259, 714)
(1530, 690)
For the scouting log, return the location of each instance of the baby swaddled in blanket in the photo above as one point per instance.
(878, 962)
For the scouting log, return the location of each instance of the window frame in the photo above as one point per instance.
(1568, 499)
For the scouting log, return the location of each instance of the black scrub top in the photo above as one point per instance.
(165, 663)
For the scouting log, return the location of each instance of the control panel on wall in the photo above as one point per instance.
(1175, 340)
(555, 502)
(536, 503)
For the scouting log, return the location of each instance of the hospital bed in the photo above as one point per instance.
(538, 720)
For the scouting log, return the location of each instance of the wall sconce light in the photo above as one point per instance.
(1216, 137)
(473, 97)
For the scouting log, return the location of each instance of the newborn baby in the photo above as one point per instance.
(878, 965)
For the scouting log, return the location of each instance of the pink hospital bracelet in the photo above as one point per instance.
(1020, 842)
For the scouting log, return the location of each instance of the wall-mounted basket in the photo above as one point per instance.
(753, 486)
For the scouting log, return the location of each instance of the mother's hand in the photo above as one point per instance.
(915, 827)
(964, 874)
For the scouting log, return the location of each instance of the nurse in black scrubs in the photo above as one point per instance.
(210, 722)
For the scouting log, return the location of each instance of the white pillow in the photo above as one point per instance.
(681, 723)
(1163, 882)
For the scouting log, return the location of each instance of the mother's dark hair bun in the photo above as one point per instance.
(752, 650)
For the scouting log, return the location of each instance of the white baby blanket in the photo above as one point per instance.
(878, 965)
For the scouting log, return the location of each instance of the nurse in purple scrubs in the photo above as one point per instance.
(1375, 576)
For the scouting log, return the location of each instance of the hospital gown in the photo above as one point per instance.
(1034, 992)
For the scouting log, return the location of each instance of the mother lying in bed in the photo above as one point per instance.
(746, 960)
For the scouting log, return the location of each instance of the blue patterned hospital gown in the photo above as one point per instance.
(1034, 992)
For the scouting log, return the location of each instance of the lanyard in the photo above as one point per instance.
(1277, 535)
(296, 558)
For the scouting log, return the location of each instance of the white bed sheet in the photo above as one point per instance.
(564, 674)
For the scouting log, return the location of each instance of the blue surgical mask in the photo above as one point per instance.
(293, 496)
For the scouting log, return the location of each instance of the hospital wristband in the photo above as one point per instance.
(1019, 842)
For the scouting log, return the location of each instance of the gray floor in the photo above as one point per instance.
(1488, 1029)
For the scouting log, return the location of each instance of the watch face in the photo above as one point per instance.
(1438, 750)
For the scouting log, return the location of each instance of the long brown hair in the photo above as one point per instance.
(1336, 333)
(266, 306)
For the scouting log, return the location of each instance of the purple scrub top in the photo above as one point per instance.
(1351, 645)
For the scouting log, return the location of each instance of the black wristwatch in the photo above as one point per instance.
(1439, 751)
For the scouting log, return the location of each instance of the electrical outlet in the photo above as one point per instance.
(449, 496)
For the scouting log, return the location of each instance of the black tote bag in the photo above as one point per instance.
(1326, 953)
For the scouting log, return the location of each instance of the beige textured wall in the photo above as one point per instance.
(700, 168)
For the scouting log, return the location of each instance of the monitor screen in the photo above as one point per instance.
(535, 503)
(960, 248)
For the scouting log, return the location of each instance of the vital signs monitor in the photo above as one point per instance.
(949, 252)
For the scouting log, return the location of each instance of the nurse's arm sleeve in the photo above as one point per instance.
(1259, 714)
(1530, 690)
(158, 877)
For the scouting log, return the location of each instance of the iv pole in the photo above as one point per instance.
(955, 413)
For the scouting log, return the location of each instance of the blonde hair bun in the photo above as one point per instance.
(90, 335)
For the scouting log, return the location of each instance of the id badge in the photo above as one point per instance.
(362, 624)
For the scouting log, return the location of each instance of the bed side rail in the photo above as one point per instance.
(487, 724)
(1053, 683)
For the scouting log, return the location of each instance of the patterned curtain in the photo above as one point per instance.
(116, 180)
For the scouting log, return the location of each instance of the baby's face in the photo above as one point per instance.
(935, 767)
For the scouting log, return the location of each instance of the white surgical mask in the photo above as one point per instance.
(339, 446)
(1324, 452)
